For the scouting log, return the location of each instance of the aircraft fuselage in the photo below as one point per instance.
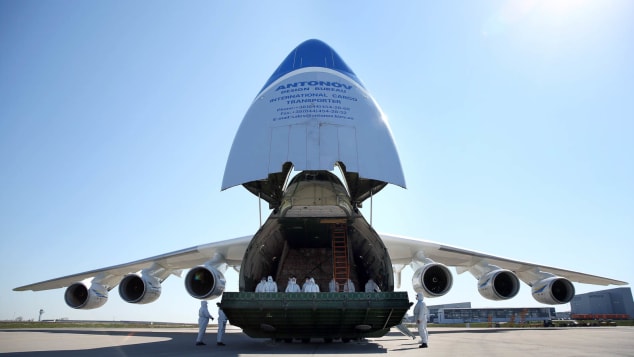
(316, 233)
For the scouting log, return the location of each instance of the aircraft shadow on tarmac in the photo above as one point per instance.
(182, 344)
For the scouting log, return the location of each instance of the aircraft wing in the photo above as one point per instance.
(229, 252)
(405, 250)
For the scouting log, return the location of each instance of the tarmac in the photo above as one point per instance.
(490, 342)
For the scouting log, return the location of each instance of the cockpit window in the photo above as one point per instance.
(315, 176)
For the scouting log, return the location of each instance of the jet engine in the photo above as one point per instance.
(432, 279)
(205, 282)
(139, 289)
(499, 284)
(553, 290)
(79, 296)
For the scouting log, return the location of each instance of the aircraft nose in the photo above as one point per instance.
(312, 53)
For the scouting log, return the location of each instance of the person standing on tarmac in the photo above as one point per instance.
(222, 324)
(203, 321)
(420, 314)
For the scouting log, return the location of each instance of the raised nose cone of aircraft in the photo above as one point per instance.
(314, 114)
(312, 53)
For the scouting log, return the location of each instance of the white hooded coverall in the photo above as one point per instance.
(203, 320)
(348, 287)
(292, 286)
(371, 286)
(261, 287)
(270, 286)
(420, 313)
(332, 286)
(222, 323)
(310, 286)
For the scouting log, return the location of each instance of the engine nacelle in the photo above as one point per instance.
(553, 290)
(500, 284)
(432, 279)
(138, 289)
(79, 296)
(205, 282)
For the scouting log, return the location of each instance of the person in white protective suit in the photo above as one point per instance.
(271, 285)
(348, 287)
(222, 324)
(332, 286)
(203, 321)
(261, 287)
(292, 286)
(371, 286)
(420, 314)
(306, 284)
(310, 286)
(313, 288)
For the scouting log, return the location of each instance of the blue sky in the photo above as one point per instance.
(514, 122)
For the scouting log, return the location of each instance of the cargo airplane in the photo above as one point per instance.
(312, 118)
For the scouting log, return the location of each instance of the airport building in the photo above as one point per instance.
(605, 304)
(495, 315)
(434, 309)
(463, 313)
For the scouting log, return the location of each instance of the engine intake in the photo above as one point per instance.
(79, 296)
(554, 290)
(500, 284)
(205, 282)
(137, 289)
(432, 279)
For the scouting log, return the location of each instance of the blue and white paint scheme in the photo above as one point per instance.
(313, 114)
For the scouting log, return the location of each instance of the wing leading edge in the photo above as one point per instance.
(227, 253)
(404, 251)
